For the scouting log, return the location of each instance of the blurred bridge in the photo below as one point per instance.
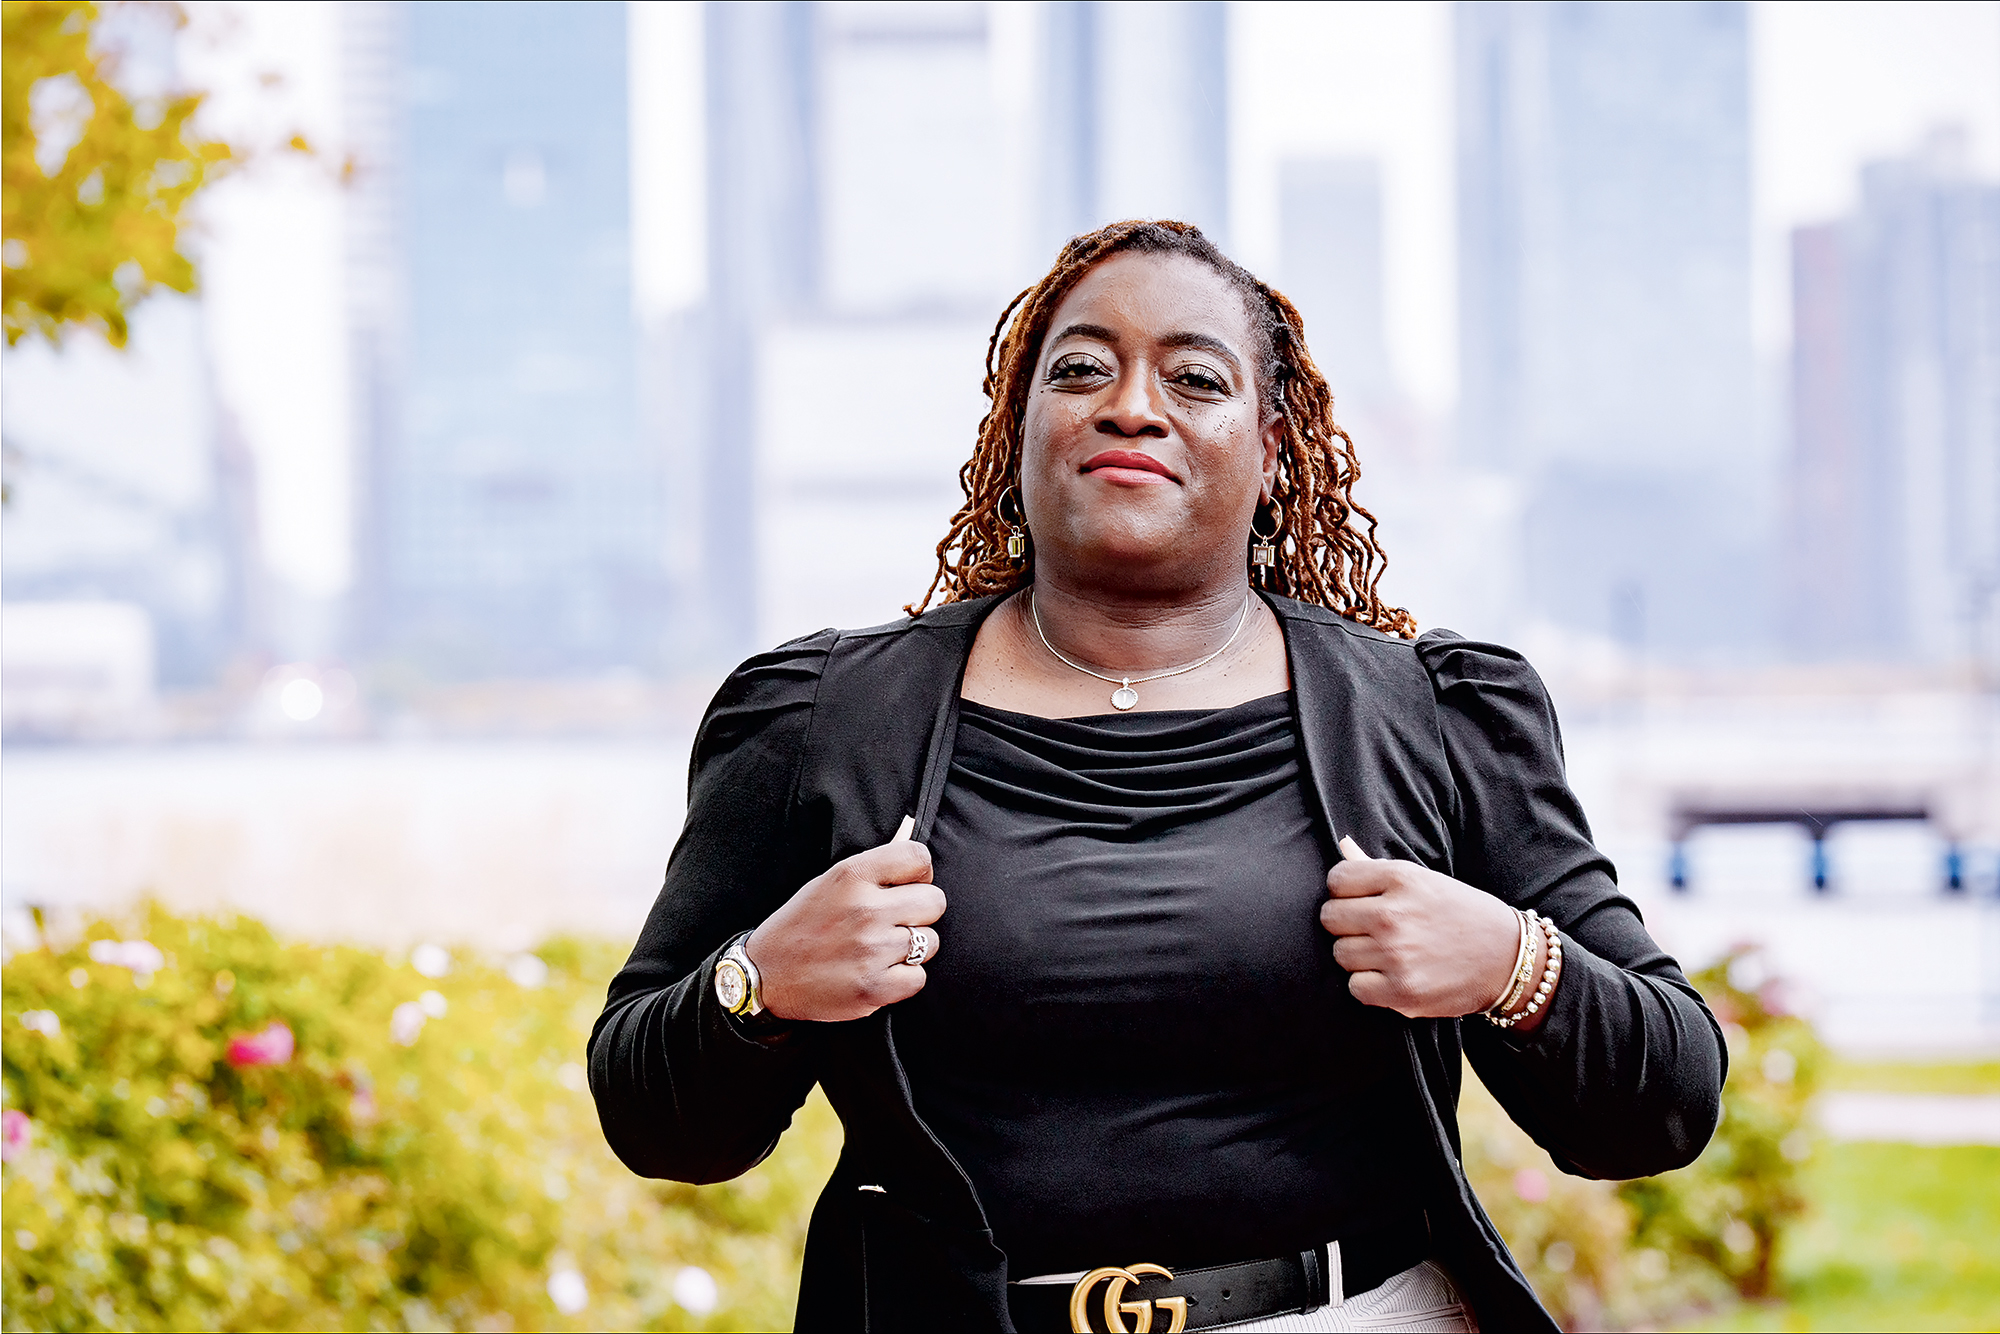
(1816, 753)
(1817, 823)
(1838, 823)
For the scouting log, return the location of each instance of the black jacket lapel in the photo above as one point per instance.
(1373, 755)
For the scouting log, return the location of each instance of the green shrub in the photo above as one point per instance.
(1604, 1254)
(1574, 1237)
(342, 1178)
(355, 1181)
(1731, 1208)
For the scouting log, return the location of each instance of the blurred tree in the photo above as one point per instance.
(95, 182)
(1732, 1207)
(1661, 1250)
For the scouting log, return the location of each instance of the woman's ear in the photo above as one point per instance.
(1273, 440)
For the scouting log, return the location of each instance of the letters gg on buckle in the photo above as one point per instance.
(1115, 1310)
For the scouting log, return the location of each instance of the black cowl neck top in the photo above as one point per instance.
(1135, 1039)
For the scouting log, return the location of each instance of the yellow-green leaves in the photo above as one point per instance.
(207, 1127)
(94, 182)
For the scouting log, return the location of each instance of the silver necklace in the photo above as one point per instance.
(1125, 697)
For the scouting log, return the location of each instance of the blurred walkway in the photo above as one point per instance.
(1912, 1118)
(494, 844)
(1826, 954)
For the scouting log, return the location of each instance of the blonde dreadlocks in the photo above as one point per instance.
(1327, 551)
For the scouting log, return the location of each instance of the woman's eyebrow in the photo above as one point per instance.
(1203, 341)
(1093, 331)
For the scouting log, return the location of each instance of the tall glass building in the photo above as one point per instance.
(1604, 261)
(1330, 266)
(866, 212)
(1134, 119)
(512, 517)
(1893, 539)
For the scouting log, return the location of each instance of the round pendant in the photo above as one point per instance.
(1124, 697)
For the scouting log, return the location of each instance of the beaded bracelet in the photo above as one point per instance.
(1551, 971)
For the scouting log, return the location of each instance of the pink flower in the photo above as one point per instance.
(273, 1046)
(1531, 1185)
(16, 1131)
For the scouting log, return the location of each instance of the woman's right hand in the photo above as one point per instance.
(835, 950)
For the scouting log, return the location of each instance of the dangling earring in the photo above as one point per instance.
(1264, 551)
(1017, 536)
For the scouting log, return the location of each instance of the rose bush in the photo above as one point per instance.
(221, 1131)
(206, 1127)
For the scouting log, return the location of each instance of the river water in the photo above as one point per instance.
(497, 844)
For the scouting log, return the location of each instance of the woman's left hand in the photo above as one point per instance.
(1418, 942)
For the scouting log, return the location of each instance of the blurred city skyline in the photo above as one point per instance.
(552, 386)
(1327, 146)
(1833, 86)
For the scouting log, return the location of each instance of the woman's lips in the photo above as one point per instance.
(1129, 467)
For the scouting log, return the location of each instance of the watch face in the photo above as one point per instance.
(731, 987)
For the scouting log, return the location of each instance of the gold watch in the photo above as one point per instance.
(736, 984)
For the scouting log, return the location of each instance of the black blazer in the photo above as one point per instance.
(1441, 751)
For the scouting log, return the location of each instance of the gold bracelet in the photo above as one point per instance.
(1526, 977)
(1551, 973)
(1524, 966)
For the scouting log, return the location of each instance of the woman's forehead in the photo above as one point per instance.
(1146, 297)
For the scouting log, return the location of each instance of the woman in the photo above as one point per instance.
(1216, 871)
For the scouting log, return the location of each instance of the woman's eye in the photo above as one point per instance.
(1205, 381)
(1075, 368)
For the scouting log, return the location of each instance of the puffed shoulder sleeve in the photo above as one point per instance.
(682, 1091)
(1624, 1078)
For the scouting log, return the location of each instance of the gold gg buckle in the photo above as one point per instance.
(1115, 1310)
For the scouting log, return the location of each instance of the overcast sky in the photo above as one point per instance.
(1834, 84)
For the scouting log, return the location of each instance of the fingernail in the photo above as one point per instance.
(905, 829)
(1351, 850)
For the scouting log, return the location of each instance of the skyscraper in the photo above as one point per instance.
(763, 265)
(512, 520)
(922, 226)
(864, 215)
(1135, 115)
(1893, 533)
(858, 222)
(1330, 266)
(1604, 255)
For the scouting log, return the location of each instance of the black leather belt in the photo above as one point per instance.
(1149, 1296)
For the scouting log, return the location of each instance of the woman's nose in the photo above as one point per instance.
(1133, 409)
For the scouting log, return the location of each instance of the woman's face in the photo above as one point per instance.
(1145, 449)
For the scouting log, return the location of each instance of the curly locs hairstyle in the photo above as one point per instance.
(1327, 550)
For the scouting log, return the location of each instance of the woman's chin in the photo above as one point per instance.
(1130, 517)
(1144, 568)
